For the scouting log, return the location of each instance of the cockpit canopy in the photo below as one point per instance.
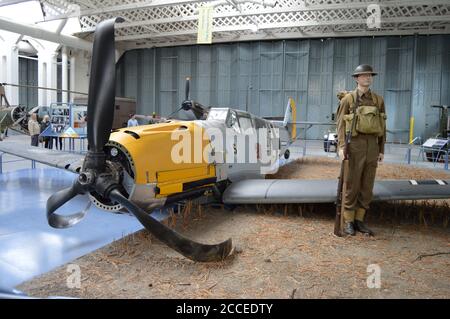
(240, 121)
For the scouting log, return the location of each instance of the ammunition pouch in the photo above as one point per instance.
(369, 120)
(348, 118)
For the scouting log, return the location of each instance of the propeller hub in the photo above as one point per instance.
(86, 178)
(94, 161)
(186, 105)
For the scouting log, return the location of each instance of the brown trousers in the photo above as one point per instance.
(363, 164)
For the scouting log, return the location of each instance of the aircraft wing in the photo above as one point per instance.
(290, 191)
(281, 123)
(58, 159)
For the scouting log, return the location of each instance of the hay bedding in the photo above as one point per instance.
(327, 168)
(284, 251)
(424, 212)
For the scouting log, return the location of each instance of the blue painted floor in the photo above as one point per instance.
(28, 245)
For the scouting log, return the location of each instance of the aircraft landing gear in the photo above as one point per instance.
(287, 154)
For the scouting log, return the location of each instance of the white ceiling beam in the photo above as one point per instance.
(288, 35)
(300, 7)
(194, 18)
(218, 15)
(122, 7)
(39, 33)
(285, 25)
(5, 3)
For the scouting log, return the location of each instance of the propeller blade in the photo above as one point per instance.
(60, 198)
(19, 120)
(187, 89)
(171, 114)
(102, 85)
(100, 117)
(188, 248)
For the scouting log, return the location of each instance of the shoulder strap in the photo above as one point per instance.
(352, 104)
(354, 99)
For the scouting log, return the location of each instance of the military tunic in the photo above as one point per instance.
(363, 152)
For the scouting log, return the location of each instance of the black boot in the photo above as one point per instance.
(349, 228)
(361, 227)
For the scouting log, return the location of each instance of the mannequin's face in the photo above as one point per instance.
(364, 80)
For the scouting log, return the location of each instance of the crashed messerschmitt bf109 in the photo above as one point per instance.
(144, 168)
(11, 116)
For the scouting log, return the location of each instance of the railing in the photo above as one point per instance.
(408, 151)
(33, 162)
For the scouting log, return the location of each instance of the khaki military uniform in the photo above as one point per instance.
(363, 152)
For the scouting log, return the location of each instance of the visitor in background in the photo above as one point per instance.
(132, 121)
(34, 129)
(48, 141)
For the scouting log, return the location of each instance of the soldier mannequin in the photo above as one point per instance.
(365, 151)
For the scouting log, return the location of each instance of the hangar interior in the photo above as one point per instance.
(261, 54)
(260, 76)
(258, 55)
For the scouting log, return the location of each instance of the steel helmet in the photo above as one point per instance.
(363, 69)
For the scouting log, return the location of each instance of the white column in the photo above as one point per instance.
(2, 65)
(64, 67)
(47, 77)
(12, 73)
(52, 80)
(72, 75)
(42, 77)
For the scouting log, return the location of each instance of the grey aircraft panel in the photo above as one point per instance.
(279, 191)
(312, 123)
(59, 159)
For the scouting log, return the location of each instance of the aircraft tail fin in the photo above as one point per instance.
(290, 118)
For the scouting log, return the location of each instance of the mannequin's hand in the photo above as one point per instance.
(341, 154)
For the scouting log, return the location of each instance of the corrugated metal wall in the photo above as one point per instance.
(28, 75)
(414, 73)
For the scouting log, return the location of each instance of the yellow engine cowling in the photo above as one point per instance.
(155, 151)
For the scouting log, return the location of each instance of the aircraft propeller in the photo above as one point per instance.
(103, 178)
(197, 110)
(187, 89)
